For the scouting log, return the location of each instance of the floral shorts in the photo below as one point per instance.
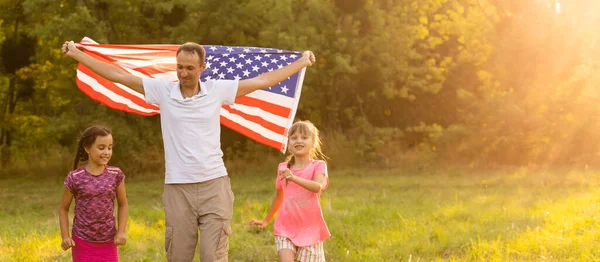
(304, 254)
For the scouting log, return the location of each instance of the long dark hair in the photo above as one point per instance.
(87, 139)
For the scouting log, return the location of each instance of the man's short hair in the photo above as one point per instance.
(193, 48)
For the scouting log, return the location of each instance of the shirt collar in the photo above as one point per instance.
(176, 92)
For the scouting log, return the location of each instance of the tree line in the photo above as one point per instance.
(476, 82)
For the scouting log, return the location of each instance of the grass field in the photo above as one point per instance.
(387, 215)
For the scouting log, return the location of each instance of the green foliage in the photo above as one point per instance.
(364, 145)
(486, 81)
(536, 103)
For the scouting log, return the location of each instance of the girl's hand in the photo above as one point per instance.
(120, 239)
(67, 243)
(260, 223)
(287, 175)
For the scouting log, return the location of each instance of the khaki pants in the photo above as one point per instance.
(206, 205)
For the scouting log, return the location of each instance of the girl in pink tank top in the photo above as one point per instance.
(94, 186)
(299, 227)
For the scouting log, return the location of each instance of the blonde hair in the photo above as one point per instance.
(307, 128)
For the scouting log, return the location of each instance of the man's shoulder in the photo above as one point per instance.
(155, 88)
(212, 83)
(219, 81)
(159, 82)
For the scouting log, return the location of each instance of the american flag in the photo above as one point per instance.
(263, 115)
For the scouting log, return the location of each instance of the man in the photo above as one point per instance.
(197, 192)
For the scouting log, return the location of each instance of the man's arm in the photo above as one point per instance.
(269, 79)
(106, 70)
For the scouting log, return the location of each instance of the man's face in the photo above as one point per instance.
(189, 69)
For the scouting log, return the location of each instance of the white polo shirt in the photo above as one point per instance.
(191, 128)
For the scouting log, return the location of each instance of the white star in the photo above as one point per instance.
(270, 69)
(263, 50)
(255, 68)
(221, 75)
(246, 72)
(242, 55)
(279, 51)
(239, 65)
(217, 58)
(237, 77)
(223, 64)
(268, 55)
(279, 66)
(246, 50)
(293, 56)
(230, 49)
(248, 61)
(210, 57)
(225, 55)
(257, 58)
(273, 61)
(208, 78)
(232, 59)
(229, 70)
(284, 58)
(208, 64)
(265, 64)
(213, 48)
(215, 71)
(284, 89)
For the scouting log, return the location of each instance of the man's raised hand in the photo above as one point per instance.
(309, 57)
(69, 48)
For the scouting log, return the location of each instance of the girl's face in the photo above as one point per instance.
(300, 143)
(100, 152)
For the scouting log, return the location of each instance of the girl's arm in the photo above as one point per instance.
(316, 185)
(272, 211)
(63, 219)
(123, 213)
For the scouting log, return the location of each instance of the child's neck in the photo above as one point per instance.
(301, 161)
(94, 169)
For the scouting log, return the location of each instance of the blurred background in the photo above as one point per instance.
(398, 83)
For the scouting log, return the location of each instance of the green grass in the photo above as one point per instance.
(373, 216)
